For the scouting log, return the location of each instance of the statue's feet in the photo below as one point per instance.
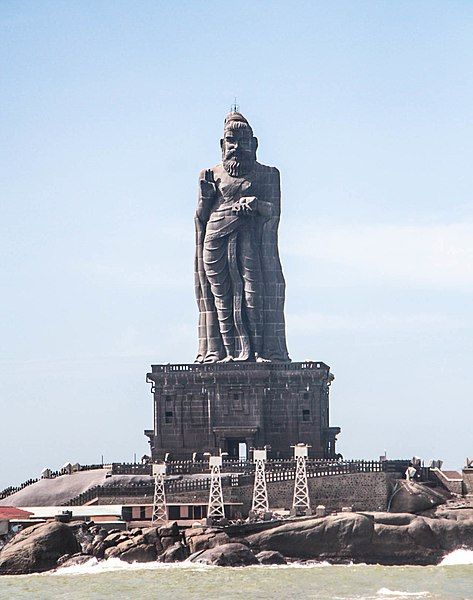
(260, 359)
(227, 359)
(211, 359)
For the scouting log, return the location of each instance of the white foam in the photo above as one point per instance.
(458, 557)
(386, 592)
(94, 566)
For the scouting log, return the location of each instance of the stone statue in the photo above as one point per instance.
(239, 282)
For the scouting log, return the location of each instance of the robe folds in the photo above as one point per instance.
(239, 283)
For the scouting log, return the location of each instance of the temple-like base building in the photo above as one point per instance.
(233, 407)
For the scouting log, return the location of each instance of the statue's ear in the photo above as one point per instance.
(255, 143)
(221, 144)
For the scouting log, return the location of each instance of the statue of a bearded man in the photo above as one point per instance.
(239, 282)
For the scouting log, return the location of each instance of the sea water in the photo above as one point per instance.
(451, 580)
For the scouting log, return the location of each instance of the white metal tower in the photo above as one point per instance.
(260, 492)
(301, 502)
(159, 501)
(216, 509)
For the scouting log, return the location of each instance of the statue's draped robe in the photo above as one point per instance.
(239, 283)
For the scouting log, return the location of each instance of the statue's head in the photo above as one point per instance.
(238, 145)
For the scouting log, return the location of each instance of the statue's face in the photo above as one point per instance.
(238, 150)
(237, 144)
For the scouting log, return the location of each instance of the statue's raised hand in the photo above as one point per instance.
(207, 186)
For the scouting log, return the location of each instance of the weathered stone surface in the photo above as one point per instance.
(72, 561)
(271, 557)
(369, 537)
(176, 553)
(167, 542)
(120, 548)
(115, 538)
(227, 555)
(205, 541)
(37, 548)
(141, 553)
(169, 531)
(98, 549)
(412, 497)
(341, 536)
(151, 535)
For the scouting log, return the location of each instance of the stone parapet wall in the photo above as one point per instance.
(362, 491)
(455, 486)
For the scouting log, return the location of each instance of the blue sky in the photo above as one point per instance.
(110, 109)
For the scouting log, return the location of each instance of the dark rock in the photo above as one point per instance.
(226, 555)
(37, 548)
(115, 538)
(141, 553)
(371, 537)
(98, 549)
(340, 536)
(204, 541)
(412, 497)
(176, 553)
(271, 557)
(87, 549)
(167, 541)
(170, 531)
(151, 535)
(120, 548)
(72, 561)
(135, 531)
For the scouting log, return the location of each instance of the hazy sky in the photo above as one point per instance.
(109, 109)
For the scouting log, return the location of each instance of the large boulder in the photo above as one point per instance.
(342, 536)
(120, 548)
(271, 557)
(141, 553)
(384, 538)
(37, 549)
(73, 561)
(202, 539)
(176, 553)
(412, 497)
(226, 555)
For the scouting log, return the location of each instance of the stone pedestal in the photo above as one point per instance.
(240, 405)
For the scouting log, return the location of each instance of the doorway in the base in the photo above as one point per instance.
(237, 449)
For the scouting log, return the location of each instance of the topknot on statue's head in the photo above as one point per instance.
(236, 120)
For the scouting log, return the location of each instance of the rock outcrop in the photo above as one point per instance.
(226, 555)
(271, 557)
(37, 549)
(371, 537)
(412, 497)
(384, 538)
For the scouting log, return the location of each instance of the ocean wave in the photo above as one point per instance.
(458, 557)
(94, 566)
(387, 593)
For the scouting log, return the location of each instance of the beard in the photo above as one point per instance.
(237, 167)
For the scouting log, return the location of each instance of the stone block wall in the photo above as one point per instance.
(362, 491)
(202, 408)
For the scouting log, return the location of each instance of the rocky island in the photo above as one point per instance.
(368, 537)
